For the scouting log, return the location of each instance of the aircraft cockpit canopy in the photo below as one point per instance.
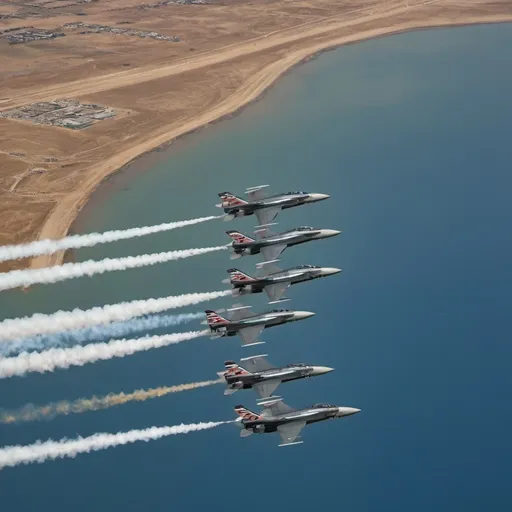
(305, 228)
(294, 193)
(308, 266)
(293, 365)
(322, 406)
(279, 310)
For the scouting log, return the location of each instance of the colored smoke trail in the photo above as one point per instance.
(63, 320)
(55, 358)
(32, 412)
(94, 333)
(90, 268)
(12, 252)
(50, 450)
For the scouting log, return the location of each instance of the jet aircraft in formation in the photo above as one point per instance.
(279, 417)
(249, 325)
(271, 245)
(255, 372)
(264, 378)
(265, 208)
(275, 281)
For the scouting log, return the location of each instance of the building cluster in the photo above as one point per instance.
(28, 34)
(65, 113)
(94, 28)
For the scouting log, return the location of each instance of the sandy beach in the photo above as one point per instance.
(164, 90)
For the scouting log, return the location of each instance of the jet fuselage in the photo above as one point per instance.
(293, 275)
(287, 238)
(310, 415)
(269, 319)
(283, 201)
(283, 374)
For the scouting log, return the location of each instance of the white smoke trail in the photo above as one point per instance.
(95, 333)
(12, 252)
(50, 450)
(49, 360)
(62, 320)
(89, 268)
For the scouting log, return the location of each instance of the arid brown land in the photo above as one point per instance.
(229, 52)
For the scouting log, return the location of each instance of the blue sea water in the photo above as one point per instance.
(411, 137)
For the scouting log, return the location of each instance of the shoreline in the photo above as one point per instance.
(61, 219)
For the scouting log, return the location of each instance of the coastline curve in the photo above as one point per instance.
(60, 220)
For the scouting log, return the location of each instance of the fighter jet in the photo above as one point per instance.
(272, 245)
(258, 374)
(265, 208)
(275, 281)
(279, 417)
(249, 325)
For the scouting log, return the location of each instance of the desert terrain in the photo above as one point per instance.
(144, 72)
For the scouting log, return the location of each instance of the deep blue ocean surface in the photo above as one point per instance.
(411, 136)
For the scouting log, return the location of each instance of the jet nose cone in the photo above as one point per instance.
(321, 370)
(318, 197)
(302, 315)
(325, 233)
(347, 411)
(329, 271)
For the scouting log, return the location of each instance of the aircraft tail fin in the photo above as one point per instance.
(246, 414)
(238, 237)
(239, 276)
(213, 319)
(230, 201)
(233, 369)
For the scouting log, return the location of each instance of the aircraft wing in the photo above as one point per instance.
(271, 252)
(267, 215)
(290, 431)
(269, 268)
(265, 389)
(278, 407)
(256, 363)
(250, 334)
(276, 291)
(240, 313)
(256, 193)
